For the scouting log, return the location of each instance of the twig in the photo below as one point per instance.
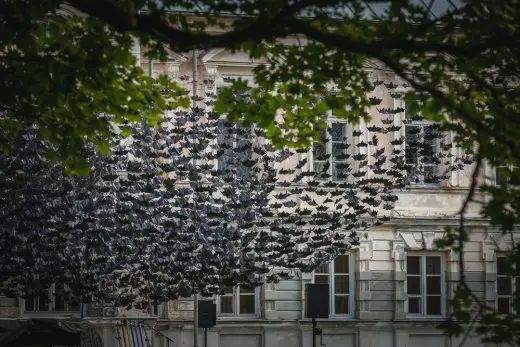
(470, 328)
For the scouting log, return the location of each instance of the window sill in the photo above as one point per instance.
(331, 319)
(237, 318)
(425, 318)
(71, 314)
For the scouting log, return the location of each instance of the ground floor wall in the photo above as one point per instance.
(290, 334)
(378, 312)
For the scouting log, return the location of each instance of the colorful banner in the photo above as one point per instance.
(131, 333)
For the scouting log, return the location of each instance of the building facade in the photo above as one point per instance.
(391, 290)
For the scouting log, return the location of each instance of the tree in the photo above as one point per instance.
(461, 64)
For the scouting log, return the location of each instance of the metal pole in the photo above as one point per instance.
(205, 337)
(195, 297)
(314, 326)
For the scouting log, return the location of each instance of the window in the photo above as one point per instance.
(330, 156)
(422, 149)
(234, 149)
(51, 300)
(504, 286)
(338, 274)
(425, 285)
(503, 174)
(240, 302)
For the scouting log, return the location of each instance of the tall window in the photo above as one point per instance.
(330, 156)
(240, 302)
(425, 285)
(338, 274)
(234, 149)
(51, 300)
(504, 286)
(503, 174)
(422, 146)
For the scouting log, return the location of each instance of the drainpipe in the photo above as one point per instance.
(195, 296)
(394, 289)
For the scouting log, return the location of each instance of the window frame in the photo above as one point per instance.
(51, 310)
(328, 149)
(351, 291)
(512, 287)
(495, 171)
(215, 90)
(423, 295)
(235, 295)
(437, 148)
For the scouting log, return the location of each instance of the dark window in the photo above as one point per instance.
(240, 301)
(424, 285)
(337, 275)
(422, 148)
(504, 286)
(330, 156)
(54, 299)
(503, 174)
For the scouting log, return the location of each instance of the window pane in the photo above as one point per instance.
(429, 145)
(321, 279)
(43, 301)
(244, 290)
(226, 304)
(59, 303)
(414, 285)
(414, 305)
(413, 265)
(74, 305)
(502, 266)
(338, 131)
(319, 168)
(59, 299)
(339, 172)
(412, 145)
(29, 303)
(247, 304)
(503, 305)
(341, 264)
(430, 174)
(433, 285)
(341, 284)
(322, 269)
(319, 151)
(504, 286)
(341, 304)
(339, 149)
(501, 175)
(433, 265)
(433, 305)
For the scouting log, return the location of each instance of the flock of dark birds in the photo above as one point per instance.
(198, 204)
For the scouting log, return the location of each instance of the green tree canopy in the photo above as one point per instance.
(61, 70)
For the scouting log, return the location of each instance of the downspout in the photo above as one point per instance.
(394, 303)
(195, 296)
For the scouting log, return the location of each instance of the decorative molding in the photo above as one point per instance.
(409, 241)
(212, 73)
(176, 57)
(212, 53)
(428, 238)
(503, 242)
(173, 70)
(366, 250)
(398, 249)
(487, 248)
